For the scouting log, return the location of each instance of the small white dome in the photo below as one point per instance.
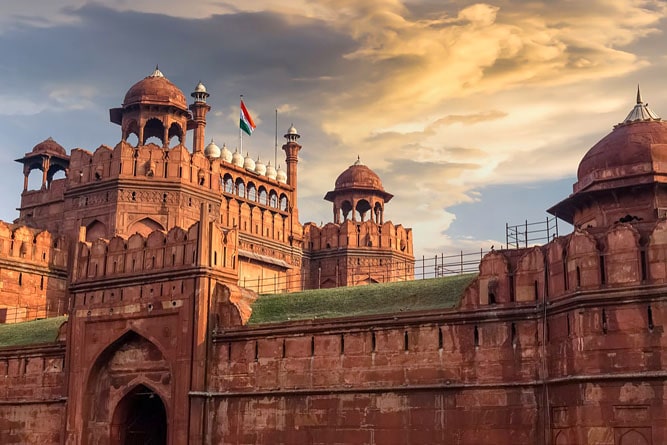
(260, 168)
(237, 158)
(292, 130)
(270, 171)
(225, 154)
(281, 176)
(200, 88)
(249, 163)
(212, 151)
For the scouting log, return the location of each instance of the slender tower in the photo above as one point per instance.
(292, 149)
(199, 109)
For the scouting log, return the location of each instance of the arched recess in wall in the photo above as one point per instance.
(145, 226)
(633, 437)
(139, 418)
(95, 230)
(131, 365)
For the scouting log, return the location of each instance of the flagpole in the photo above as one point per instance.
(275, 149)
(240, 131)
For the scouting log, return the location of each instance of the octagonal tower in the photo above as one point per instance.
(359, 247)
(622, 178)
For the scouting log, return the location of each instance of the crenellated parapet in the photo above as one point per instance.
(586, 260)
(33, 273)
(367, 235)
(158, 253)
(351, 253)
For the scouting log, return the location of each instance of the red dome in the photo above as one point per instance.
(49, 146)
(358, 176)
(155, 89)
(630, 150)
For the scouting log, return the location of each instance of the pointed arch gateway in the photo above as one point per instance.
(127, 394)
(140, 418)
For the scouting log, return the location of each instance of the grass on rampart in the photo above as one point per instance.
(387, 298)
(30, 332)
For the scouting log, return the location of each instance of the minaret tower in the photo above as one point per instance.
(199, 109)
(292, 149)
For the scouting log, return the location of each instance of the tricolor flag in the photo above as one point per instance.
(246, 123)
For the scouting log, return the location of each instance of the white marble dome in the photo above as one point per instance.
(212, 151)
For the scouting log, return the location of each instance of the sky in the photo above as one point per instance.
(474, 115)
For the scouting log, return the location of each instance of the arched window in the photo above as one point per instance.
(252, 192)
(346, 208)
(229, 184)
(262, 196)
(283, 203)
(154, 128)
(362, 209)
(175, 134)
(273, 199)
(240, 188)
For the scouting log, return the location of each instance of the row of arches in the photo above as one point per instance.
(251, 192)
(359, 210)
(154, 130)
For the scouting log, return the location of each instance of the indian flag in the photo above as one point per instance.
(246, 121)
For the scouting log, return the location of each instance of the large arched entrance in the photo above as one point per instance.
(126, 400)
(140, 418)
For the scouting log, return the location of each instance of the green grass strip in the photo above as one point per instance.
(30, 332)
(386, 298)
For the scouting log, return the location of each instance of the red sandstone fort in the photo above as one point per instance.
(158, 294)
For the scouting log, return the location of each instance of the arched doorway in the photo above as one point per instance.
(140, 418)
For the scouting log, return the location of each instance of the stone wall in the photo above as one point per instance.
(33, 274)
(32, 395)
(429, 380)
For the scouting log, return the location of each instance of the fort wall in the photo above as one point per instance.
(32, 396)
(33, 274)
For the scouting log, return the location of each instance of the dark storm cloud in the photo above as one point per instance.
(236, 49)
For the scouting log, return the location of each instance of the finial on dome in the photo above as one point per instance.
(358, 161)
(640, 112)
(157, 72)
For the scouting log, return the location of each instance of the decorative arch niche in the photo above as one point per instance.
(95, 230)
(125, 377)
(145, 227)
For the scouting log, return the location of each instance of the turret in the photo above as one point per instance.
(199, 110)
(292, 149)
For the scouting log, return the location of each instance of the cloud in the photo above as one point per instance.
(469, 119)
